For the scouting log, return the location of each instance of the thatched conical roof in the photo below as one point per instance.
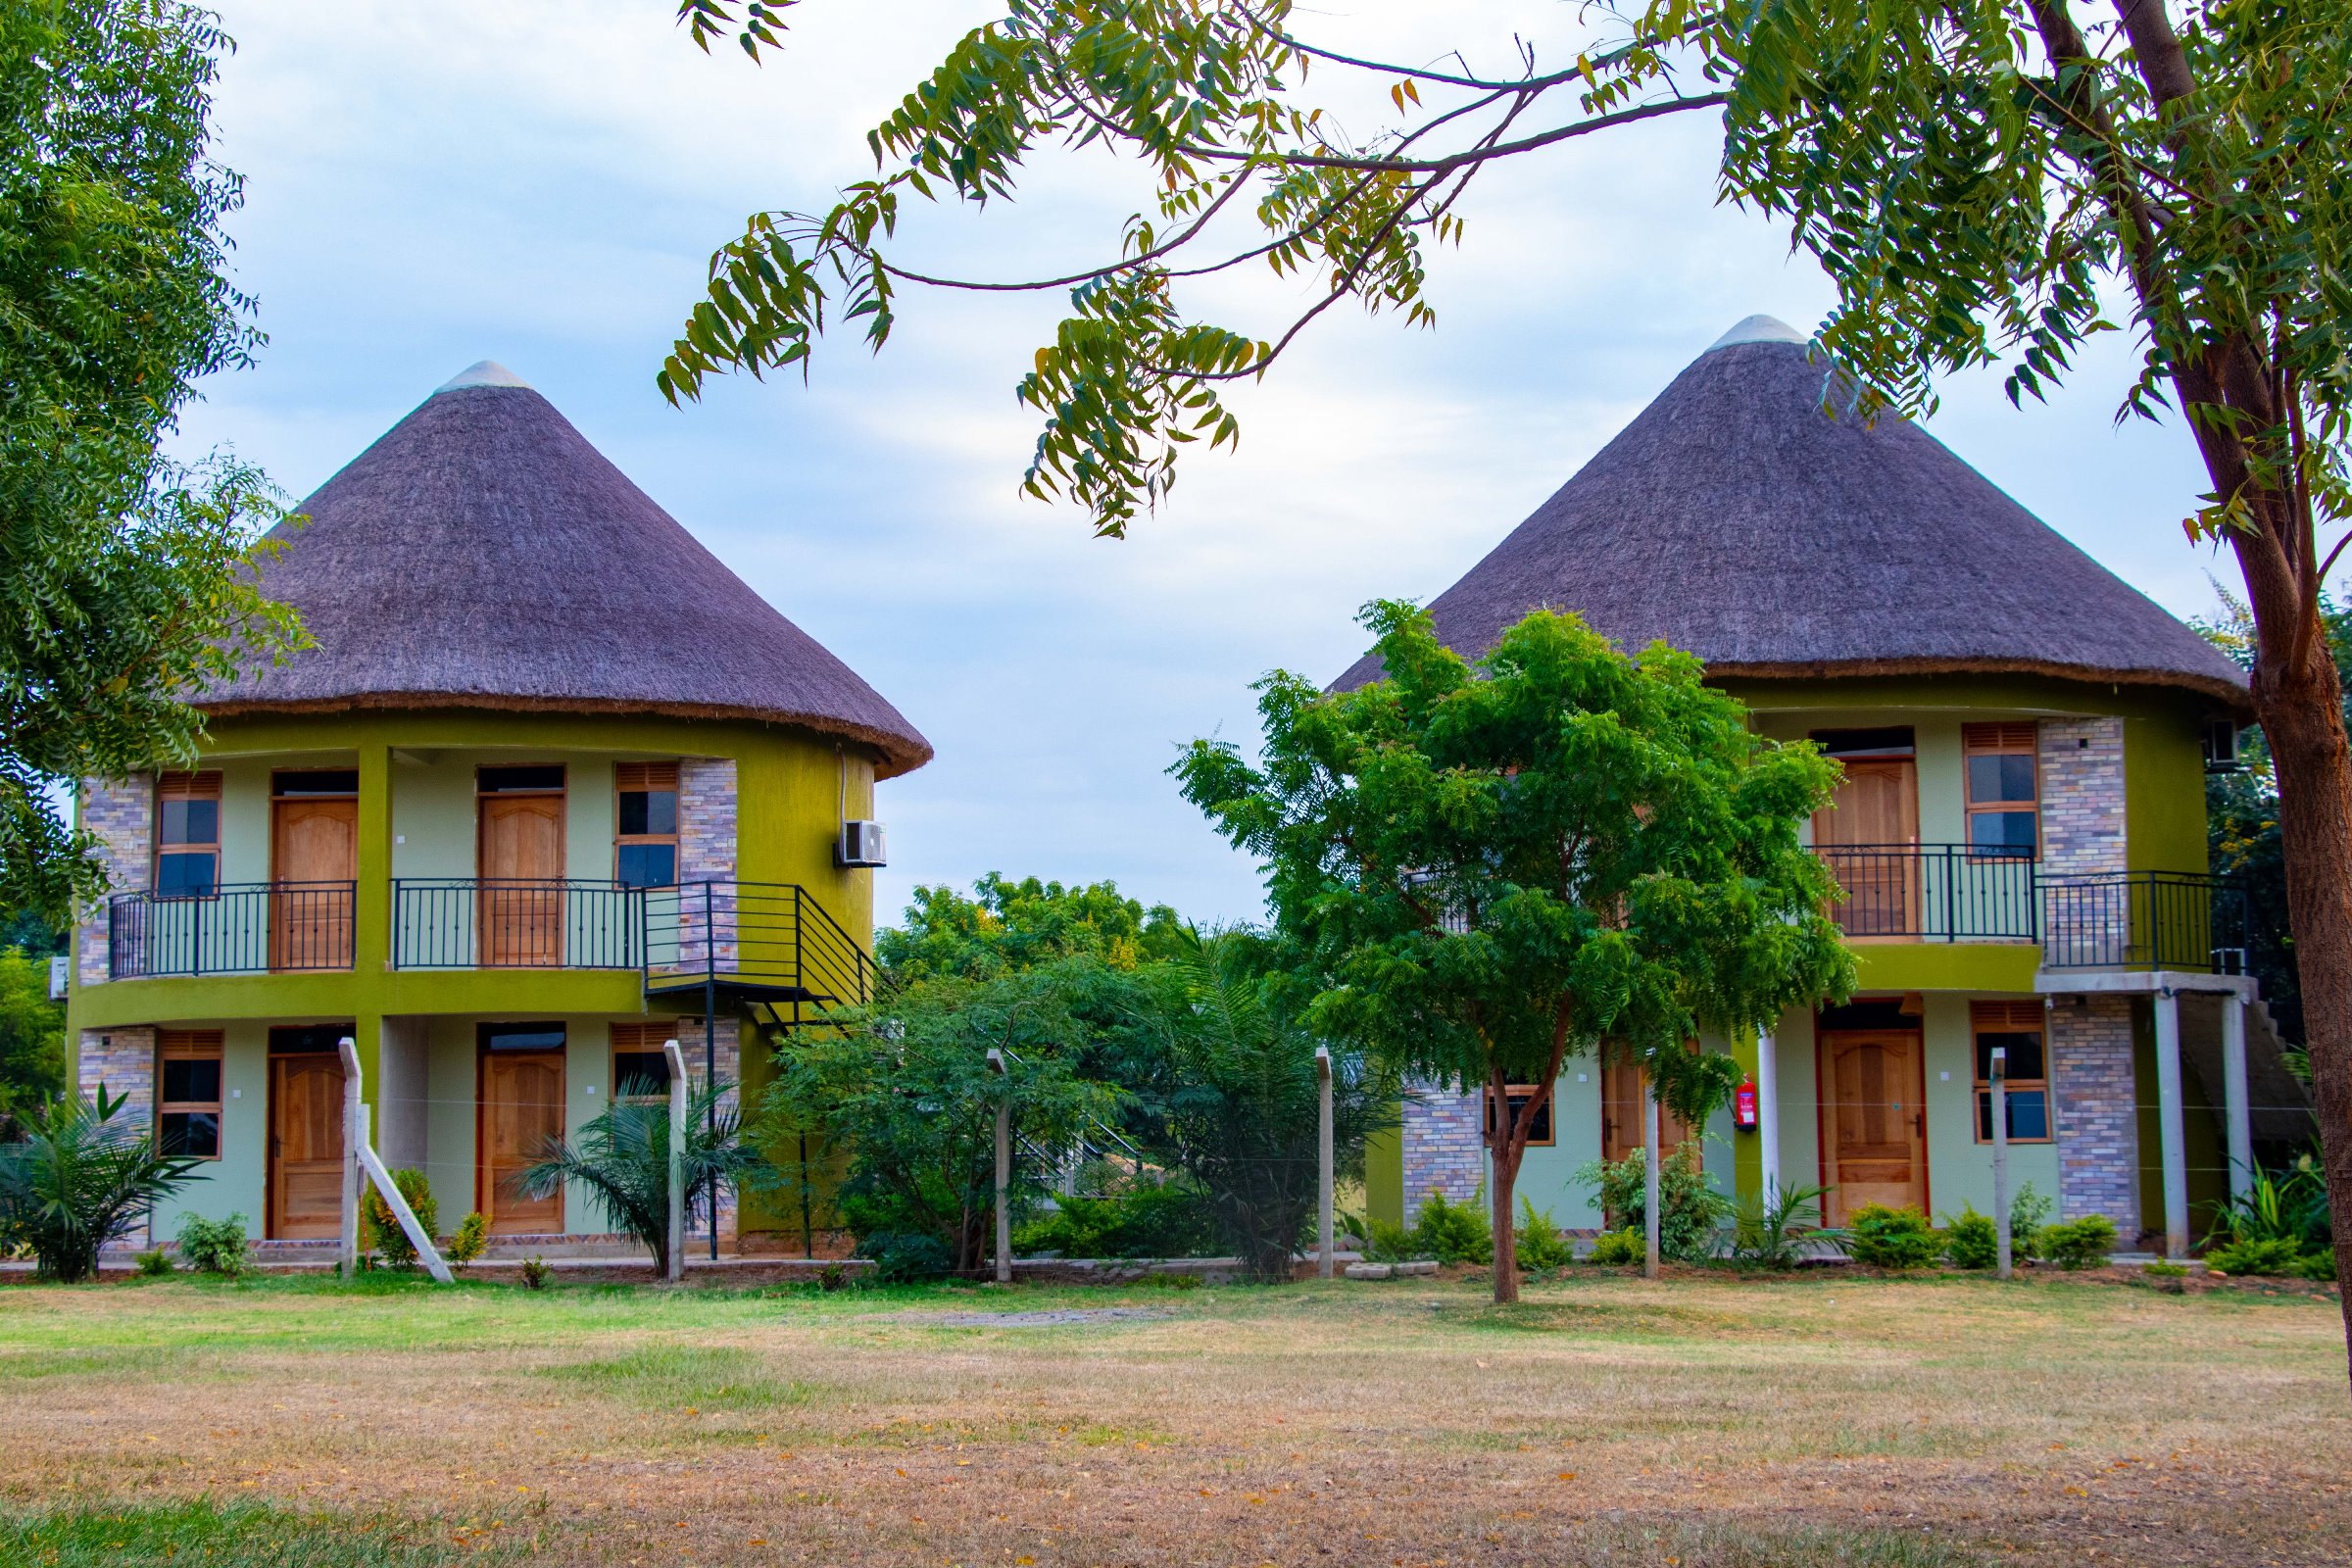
(481, 554)
(1736, 520)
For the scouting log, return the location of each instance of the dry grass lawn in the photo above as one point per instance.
(1702, 1420)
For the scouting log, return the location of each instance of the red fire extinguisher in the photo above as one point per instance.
(1743, 1105)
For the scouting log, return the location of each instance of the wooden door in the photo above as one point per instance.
(1621, 1120)
(305, 1198)
(521, 867)
(520, 1097)
(311, 841)
(1874, 1122)
(1869, 834)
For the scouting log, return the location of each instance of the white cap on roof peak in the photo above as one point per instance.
(482, 372)
(1759, 329)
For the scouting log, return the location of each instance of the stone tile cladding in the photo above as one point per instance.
(707, 854)
(124, 1060)
(729, 1051)
(122, 813)
(2097, 1096)
(2081, 766)
(1445, 1146)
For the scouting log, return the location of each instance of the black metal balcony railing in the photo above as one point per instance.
(2145, 920)
(2183, 921)
(773, 935)
(1932, 892)
(236, 928)
(516, 924)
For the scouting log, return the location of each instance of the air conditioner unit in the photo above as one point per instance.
(862, 845)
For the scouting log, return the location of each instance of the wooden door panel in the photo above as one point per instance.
(1874, 1122)
(305, 1147)
(1621, 1115)
(312, 842)
(521, 1112)
(1866, 834)
(521, 867)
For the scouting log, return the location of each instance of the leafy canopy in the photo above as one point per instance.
(124, 590)
(1493, 864)
(1006, 926)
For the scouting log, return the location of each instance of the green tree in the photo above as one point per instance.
(905, 1090)
(1222, 1085)
(123, 581)
(1008, 926)
(1488, 867)
(32, 1038)
(1982, 180)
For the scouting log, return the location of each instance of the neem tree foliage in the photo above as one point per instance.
(122, 588)
(1488, 868)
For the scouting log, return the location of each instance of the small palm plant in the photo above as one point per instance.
(84, 1175)
(623, 1159)
(1774, 1231)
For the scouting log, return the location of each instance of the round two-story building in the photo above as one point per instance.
(552, 786)
(2020, 835)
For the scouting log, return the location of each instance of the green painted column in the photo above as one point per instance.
(371, 916)
(1747, 1154)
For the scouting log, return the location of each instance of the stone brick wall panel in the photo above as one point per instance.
(1445, 1146)
(2095, 1098)
(122, 813)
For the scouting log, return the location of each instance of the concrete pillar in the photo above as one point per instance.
(2236, 1113)
(2171, 1132)
(1768, 1113)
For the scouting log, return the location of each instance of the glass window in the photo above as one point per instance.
(187, 1121)
(2003, 789)
(188, 835)
(533, 780)
(521, 1035)
(640, 1074)
(1539, 1136)
(645, 839)
(648, 865)
(2016, 1028)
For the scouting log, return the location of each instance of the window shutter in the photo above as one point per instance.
(183, 1045)
(189, 786)
(2011, 1018)
(631, 777)
(2016, 737)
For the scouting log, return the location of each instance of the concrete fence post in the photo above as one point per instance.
(354, 1135)
(1651, 1218)
(1328, 1245)
(675, 1251)
(2002, 1241)
(996, 1064)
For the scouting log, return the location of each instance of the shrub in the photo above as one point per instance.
(2274, 1255)
(2028, 1212)
(379, 1227)
(900, 1256)
(1892, 1237)
(86, 1172)
(536, 1273)
(1617, 1248)
(1385, 1242)
(1691, 1210)
(2078, 1244)
(471, 1240)
(155, 1264)
(2283, 1205)
(832, 1277)
(1538, 1242)
(1141, 1219)
(213, 1246)
(1972, 1240)
(1773, 1235)
(1453, 1232)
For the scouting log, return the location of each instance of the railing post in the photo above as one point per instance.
(1951, 926)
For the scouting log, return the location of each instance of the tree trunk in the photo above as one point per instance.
(1507, 1240)
(2303, 722)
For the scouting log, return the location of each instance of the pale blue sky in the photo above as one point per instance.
(541, 183)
